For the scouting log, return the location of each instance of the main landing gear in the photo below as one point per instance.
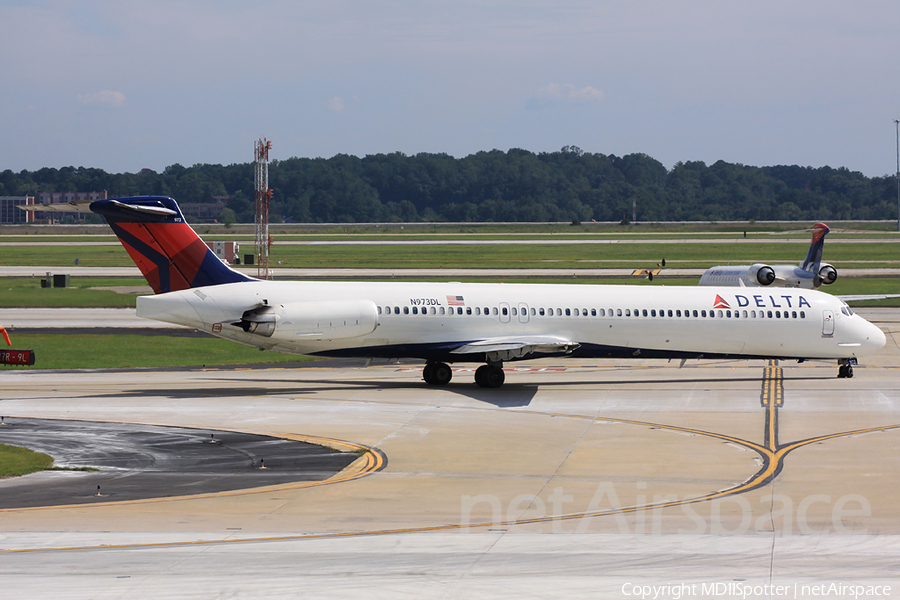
(486, 376)
(437, 373)
(845, 368)
(490, 375)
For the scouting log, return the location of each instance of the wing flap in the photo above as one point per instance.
(507, 348)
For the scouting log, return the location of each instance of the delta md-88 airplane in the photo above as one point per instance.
(489, 323)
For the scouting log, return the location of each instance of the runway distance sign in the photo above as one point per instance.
(17, 357)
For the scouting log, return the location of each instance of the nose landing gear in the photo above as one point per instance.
(845, 368)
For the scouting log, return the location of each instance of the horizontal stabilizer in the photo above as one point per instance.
(77, 206)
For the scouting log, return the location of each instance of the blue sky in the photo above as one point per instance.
(123, 85)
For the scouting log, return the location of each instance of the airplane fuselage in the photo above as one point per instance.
(431, 320)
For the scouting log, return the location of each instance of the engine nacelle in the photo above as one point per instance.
(763, 274)
(827, 274)
(336, 320)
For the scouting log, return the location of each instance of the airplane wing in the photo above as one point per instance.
(77, 206)
(858, 298)
(510, 347)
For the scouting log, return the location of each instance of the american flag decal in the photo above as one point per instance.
(455, 301)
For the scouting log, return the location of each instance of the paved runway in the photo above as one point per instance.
(577, 479)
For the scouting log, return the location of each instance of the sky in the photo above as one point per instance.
(126, 85)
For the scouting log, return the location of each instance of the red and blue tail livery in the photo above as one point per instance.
(170, 255)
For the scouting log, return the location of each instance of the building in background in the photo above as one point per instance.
(204, 212)
(10, 214)
(49, 198)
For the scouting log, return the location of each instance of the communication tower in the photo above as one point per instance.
(261, 204)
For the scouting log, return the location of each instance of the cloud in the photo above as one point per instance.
(570, 93)
(336, 104)
(566, 93)
(106, 99)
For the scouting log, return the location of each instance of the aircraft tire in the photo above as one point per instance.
(428, 373)
(441, 374)
(489, 376)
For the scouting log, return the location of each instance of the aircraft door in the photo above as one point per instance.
(827, 322)
(504, 312)
(523, 312)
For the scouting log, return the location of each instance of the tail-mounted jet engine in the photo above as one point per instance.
(827, 274)
(311, 320)
(260, 320)
(763, 274)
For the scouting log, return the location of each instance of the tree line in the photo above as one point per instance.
(517, 185)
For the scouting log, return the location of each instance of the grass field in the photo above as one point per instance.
(519, 256)
(99, 351)
(15, 461)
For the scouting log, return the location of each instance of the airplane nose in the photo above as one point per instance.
(874, 338)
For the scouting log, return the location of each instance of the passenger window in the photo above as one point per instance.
(396, 310)
(468, 310)
(433, 311)
(728, 313)
(415, 310)
(652, 312)
(618, 312)
(459, 310)
(477, 310)
(695, 313)
(558, 312)
(627, 312)
(594, 312)
(568, 312)
(505, 311)
(541, 311)
(494, 311)
(514, 311)
(770, 314)
(677, 313)
(405, 310)
(533, 312)
(745, 314)
(802, 314)
(702, 313)
(379, 310)
(794, 314)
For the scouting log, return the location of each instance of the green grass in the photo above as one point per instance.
(21, 292)
(533, 255)
(16, 461)
(100, 351)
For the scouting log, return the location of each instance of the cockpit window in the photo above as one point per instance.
(846, 310)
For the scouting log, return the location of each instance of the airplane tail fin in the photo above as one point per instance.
(814, 256)
(170, 255)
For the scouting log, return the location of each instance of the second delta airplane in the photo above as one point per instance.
(489, 323)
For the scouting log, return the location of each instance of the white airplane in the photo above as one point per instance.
(810, 274)
(444, 323)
